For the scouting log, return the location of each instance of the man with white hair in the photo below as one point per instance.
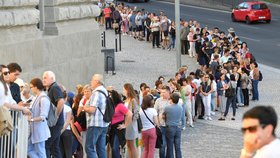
(97, 128)
(56, 97)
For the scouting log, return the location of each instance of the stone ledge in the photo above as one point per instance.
(18, 17)
(65, 2)
(18, 3)
(77, 12)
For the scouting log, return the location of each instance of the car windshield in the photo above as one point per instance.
(259, 6)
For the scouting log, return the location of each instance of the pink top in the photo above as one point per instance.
(120, 111)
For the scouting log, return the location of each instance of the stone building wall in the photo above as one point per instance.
(69, 44)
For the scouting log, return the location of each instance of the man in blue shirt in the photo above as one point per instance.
(172, 116)
(97, 127)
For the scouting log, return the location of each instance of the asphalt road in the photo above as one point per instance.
(263, 39)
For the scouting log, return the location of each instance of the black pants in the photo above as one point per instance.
(66, 144)
(185, 47)
(246, 96)
(108, 22)
(199, 104)
(148, 34)
(156, 38)
(53, 143)
(230, 101)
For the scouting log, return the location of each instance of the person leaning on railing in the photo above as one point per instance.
(6, 98)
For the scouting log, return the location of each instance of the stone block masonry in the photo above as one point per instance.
(69, 45)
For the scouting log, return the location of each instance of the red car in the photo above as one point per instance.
(250, 12)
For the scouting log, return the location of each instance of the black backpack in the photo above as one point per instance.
(260, 76)
(230, 92)
(109, 110)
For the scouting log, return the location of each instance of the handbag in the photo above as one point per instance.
(139, 122)
(230, 92)
(159, 141)
(6, 122)
(115, 25)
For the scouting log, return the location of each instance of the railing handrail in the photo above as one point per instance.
(15, 144)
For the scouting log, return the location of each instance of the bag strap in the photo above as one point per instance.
(148, 117)
(106, 98)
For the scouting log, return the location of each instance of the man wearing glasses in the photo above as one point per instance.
(258, 127)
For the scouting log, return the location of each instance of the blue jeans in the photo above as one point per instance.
(172, 42)
(230, 101)
(116, 147)
(183, 118)
(162, 150)
(173, 138)
(96, 142)
(213, 101)
(53, 143)
(240, 97)
(37, 150)
(255, 89)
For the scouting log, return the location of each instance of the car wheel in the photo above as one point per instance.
(233, 18)
(268, 21)
(248, 20)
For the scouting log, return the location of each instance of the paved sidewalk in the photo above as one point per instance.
(149, 63)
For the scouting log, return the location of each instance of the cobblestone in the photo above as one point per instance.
(215, 138)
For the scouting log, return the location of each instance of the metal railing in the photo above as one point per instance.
(15, 144)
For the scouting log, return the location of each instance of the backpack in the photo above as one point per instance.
(6, 122)
(51, 119)
(260, 76)
(109, 110)
(230, 92)
(116, 15)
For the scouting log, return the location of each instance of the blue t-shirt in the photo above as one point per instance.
(173, 115)
(132, 20)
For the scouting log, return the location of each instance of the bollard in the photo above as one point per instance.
(120, 41)
(104, 39)
(116, 43)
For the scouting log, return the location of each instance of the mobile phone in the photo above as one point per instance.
(29, 101)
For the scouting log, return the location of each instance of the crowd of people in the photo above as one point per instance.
(228, 74)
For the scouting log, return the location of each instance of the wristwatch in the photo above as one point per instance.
(32, 120)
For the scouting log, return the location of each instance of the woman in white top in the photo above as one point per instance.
(6, 98)
(149, 119)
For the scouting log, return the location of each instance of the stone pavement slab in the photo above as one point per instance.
(148, 64)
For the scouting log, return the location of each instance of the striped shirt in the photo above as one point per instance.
(97, 99)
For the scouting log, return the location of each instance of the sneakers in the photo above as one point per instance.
(212, 113)
(184, 128)
(209, 118)
(233, 118)
(191, 126)
(221, 119)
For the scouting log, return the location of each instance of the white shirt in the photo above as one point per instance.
(151, 113)
(66, 109)
(271, 150)
(5, 98)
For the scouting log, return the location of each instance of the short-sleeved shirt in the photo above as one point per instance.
(97, 100)
(160, 105)
(270, 150)
(151, 113)
(65, 111)
(120, 111)
(107, 12)
(173, 115)
(55, 94)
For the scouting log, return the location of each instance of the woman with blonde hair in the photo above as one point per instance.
(132, 131)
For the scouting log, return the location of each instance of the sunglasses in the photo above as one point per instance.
(252, 129)
(6, 73)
